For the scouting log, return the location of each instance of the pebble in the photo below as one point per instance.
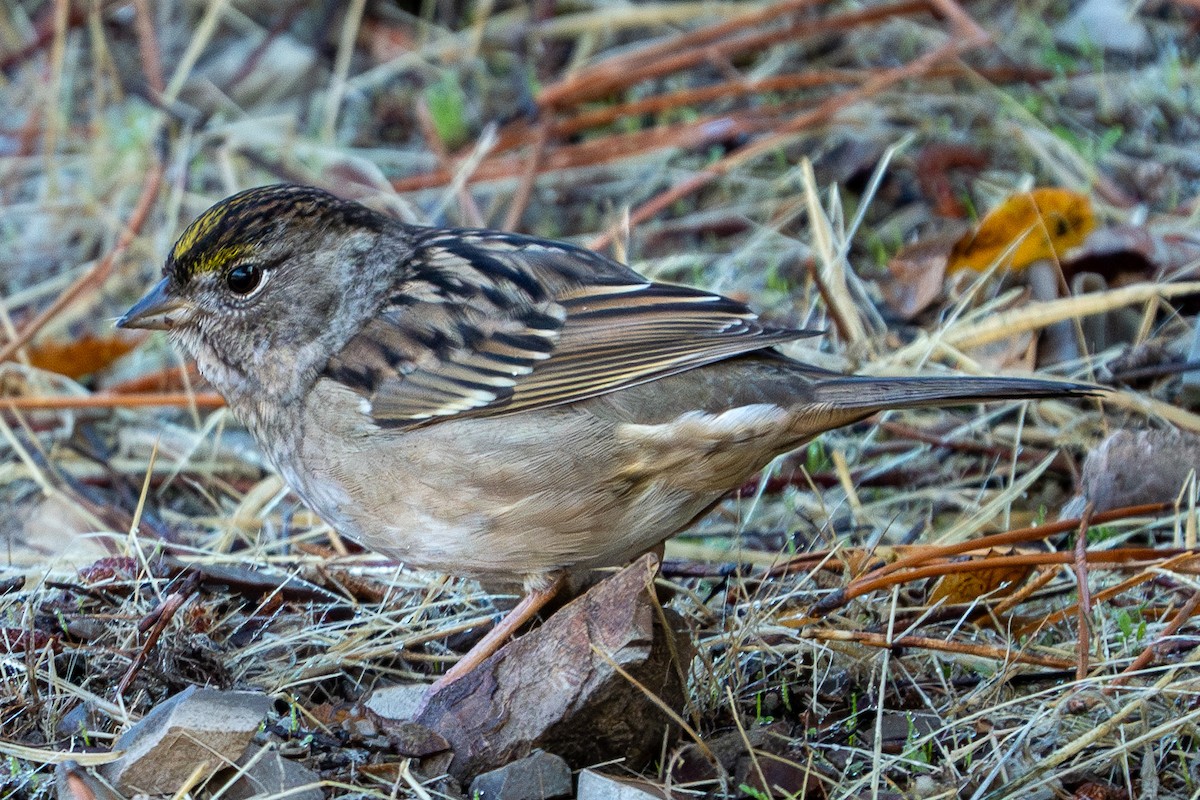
(538, 776)
(209, 727)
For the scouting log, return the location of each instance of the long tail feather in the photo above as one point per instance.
(869, 394)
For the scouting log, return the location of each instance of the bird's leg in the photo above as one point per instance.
(524, 611)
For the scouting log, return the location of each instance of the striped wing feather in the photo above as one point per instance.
(495, 353)
(648, 331)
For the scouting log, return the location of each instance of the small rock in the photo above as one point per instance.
(784, 777)
(392, 709)
(413, 739)
(49, 530)
(576, 686)
(397, 702)
(537, 776)
(598, 786)
(263, 774)
(1110, 25)
(196, 726)
(694, 763)
(79, 721)
(1135, 467)
(900, 727)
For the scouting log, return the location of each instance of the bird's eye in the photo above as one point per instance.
(244, 278)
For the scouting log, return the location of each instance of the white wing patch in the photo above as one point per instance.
(699, 451)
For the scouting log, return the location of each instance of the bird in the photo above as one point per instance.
(494, 405)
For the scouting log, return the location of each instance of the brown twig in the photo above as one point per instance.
(156, 621)
(929, 643)
(44, 31)
(148, 48)
(969, 37)
(466, 203)
(159, 380)
(524, 191)
(831, 308)
(1085, 599)
(709, 44)
(1104, 595)
(164, 399)
(693, 135)
(1026, 455)
(1125, 556)
(881, 577)
(1147, 655)
(517, 134)
(1025, 590)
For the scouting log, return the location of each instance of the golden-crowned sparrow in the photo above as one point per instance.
(489, 404)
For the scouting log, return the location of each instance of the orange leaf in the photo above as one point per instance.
(1025, 228)
(85, 355)
(960, 588)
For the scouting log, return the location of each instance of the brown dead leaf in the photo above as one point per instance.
(1024, 229)
(915, 275)
(960, 588)
(82, 356)
(934, 165)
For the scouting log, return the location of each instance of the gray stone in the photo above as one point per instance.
(1110, 25)
(598, 786)
(578, 686)
(397, 702)
(537, 776)
(1132, 467)
(77, 722)
(265, 773)
(208, 727)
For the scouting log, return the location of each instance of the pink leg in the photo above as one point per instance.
(524, 611)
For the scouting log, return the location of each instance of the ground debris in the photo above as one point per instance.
(568, 686)
(195, 727)
(537, 776)
(268, 773)
(598, 786)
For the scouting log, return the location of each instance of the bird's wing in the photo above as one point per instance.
(489, 323)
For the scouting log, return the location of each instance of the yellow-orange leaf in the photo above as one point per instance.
(83, 356)
(960, 588)
(1025, 228)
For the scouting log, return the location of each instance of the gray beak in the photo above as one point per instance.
(158, 310)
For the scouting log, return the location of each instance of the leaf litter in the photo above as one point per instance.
(855, 632)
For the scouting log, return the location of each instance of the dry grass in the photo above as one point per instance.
(746, 168)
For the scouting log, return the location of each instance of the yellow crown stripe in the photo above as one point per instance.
(216, 259)
(197, 230)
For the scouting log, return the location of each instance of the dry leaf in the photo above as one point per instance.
(915, 275)
(960, 588)
(82, 356)
(934, 165)
(1026, 228)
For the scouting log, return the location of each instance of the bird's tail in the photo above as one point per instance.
(866, 395)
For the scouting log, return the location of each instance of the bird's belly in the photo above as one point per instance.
(484, 496)
(520, 496)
